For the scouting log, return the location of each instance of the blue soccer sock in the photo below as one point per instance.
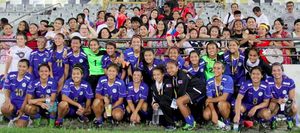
(273, 118)
(100, 120)
(52, 116)
(189, 120)
(264, 121)
(60, 120)
(227, 122)
(82, 117)
(144, 113)
(288, 118)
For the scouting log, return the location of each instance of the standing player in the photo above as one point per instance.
(137, 98)
(38, 57)
(253, 99)
(193, 67)
(76, 55)
(57, 61)
(110, 93)
(76, 97)
(94, 56)
(219, 91)
(187, 89)
(134, 53)
(283, 96)
(15, 86)
(41, 94)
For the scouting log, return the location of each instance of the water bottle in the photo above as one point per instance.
(48, 101)
(236, 126)
(155, 118)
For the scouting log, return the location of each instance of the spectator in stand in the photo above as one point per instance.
(290, 17)
(181, 9)
(100, 18)
(104, 34)
(136, 12)
(260, 17)
(148, 7)
(32, 35)
(144, 19)
(136, 23)
(86, 12)
(127, 24)
(2, 22)
(43, 29)
(85, 32)
(199, 24)
(238, 32)
(296, 34)
(72, 22)
(229, 17)
(217, 22)
(145, 34)
(191, 24)
(237, 16)
(110, 22)
(168, 12)
(173, 3)
(153, 20)
(23, 27)
(5, 46)
(160, 33)
(281, 33)
(80, 18)
(251, 25)
(121, 16)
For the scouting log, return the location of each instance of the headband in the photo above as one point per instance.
(78, 68)
(265, 26)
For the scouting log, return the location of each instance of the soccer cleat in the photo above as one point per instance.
(37, 122)
(58, 125)
(97, 124)
(188, 127)
(115, 123)
(170, 128)
(273, 125)
(84, 120)
(29, 123)
(226, 128)
(11, 123)
(290, 125)
(51, 123)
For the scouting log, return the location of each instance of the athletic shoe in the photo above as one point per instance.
(11, 123)
(273, 125)
(97, 124)
(170, 128)
(226, 128)
(262, 127)
(51, 123)
(290, 125)
(115, 123)
(58, 125)
(84, 120)
(37, 122)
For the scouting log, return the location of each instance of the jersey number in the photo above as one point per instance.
(255, 101)
(95, 62)
(19, 92)
(59, 63)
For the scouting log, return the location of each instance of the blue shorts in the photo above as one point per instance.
(56, 78)
(250, 106)
(120, 106)
(73, 109)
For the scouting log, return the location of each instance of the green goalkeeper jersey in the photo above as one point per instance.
(95, 61)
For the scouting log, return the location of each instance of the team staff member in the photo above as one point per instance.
(253, 99)
(94, 56)
(15, 86)
(219, 91)
(187, 89)
(283, 94)
(76, 97)
(163, 94)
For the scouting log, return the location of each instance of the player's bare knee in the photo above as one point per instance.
(63, 105)
(266, 114)
(206, 114)
(145, 106)
(222, 105)
(118, 115)
(96, 103)
(29, 109)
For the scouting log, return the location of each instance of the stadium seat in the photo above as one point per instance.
(10, 8)
(29, 8)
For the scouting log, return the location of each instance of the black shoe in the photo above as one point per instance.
(115, 123)
(262, 128)
(58, 125)
(97, 124)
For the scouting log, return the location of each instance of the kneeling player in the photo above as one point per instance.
(41, 94)
(137, 98)
(76, 97)
(15, 86)
(253, 99)
(110, 92)
(283, 96)
(219, 91)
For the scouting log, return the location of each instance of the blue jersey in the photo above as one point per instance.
(58, 63)
(283, 91)
(180, 62)
(226, 86)
(252, 96)
(142, 93)
(79, 95)
(17, 88)
(81, 59)
(36, 59)
(197, 73)
(106, 60)
(156, 62)
(114, 92)
(234, 67)
(36, 89)
(129, 57)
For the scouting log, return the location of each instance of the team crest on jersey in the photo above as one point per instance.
(179, 81)
(45, 59)
(240, 64)
(48, 90)
(221, 87)
(23, 84)
(80, 60)
(260, 93)
(201, 70)
(20, 54)
(80, 93)
(114, 90)
(284, 92)
(140, 95)
(65, 87)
